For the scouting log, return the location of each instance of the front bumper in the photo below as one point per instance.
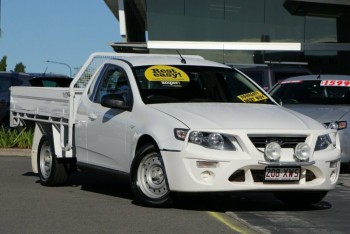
(244, 170)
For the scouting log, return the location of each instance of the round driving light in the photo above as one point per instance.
(302, 151)
(273, 151)
(216, 140)
(196, 137)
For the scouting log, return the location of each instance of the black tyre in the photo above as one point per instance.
(301, 198)
(51, 171)
(148, 178)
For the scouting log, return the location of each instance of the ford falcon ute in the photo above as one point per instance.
(176, 124)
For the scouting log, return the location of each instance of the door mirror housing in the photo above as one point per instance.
(114, 101)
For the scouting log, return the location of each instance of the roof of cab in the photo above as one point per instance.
(159, 59)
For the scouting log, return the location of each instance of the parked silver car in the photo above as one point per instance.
(325, 98)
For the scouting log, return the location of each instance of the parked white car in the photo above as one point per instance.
(177, 124)
(325, 98)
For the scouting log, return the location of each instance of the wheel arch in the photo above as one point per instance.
(143, 140)
(41, 129)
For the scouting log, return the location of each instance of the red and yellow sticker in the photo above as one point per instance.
(345, 83)
(252, 97)
(165, 73)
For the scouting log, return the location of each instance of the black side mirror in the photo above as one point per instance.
(114, 101)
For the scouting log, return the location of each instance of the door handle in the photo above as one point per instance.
(92, 116)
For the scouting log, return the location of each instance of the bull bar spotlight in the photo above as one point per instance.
(302, 152)
(273, 151)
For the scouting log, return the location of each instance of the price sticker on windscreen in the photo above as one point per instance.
(165, 73)
(252, 97)
(344, 83)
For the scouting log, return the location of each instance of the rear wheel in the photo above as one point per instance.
(148, 178)
(301, 198)
(51, 171)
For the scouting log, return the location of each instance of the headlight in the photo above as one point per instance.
(338, 125)
(211, 140)
(324, 141)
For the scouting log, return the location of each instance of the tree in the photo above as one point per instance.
(3, 63)
(20, 67)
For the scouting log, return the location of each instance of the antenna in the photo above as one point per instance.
(319, 75)
(182, 59)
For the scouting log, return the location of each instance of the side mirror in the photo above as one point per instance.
(114, 101)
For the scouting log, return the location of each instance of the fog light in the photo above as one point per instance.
(273, 151)
(302, 151)
(207, 164)
(207, 176)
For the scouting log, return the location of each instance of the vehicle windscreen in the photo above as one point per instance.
(318, 92)
(171, 84)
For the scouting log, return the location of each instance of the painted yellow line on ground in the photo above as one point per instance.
(223, 219)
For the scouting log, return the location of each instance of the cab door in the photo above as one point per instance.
(107, 128)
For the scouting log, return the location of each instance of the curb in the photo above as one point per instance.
(15, 152)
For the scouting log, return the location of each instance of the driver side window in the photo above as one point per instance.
(113, 81)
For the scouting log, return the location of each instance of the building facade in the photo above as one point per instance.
(311, 32)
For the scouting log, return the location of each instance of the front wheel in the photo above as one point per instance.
(148, 178)
(301, 198)
(51, 171)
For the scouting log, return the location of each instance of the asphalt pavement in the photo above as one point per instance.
(99, 204)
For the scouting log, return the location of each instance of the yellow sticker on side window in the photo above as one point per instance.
(165, 73)
(252, 97)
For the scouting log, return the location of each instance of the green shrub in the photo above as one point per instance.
(13, 138)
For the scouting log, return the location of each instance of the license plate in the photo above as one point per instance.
(282, 173)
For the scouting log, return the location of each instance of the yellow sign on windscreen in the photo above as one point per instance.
(166, 73)
(252, 97)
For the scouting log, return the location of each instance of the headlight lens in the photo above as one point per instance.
(338, 125)
(216, 140)
(211, 140)
(302, 151)
(324, 141)
(196, 137)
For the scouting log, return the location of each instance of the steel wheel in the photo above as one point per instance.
(150, 176)
(45, 161)
(51, 171)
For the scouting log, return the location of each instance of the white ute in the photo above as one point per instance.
(176, 124)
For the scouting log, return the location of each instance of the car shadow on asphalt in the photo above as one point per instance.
(99, 183)
(118, 186)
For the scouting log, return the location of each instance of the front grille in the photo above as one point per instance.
(284, 141)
